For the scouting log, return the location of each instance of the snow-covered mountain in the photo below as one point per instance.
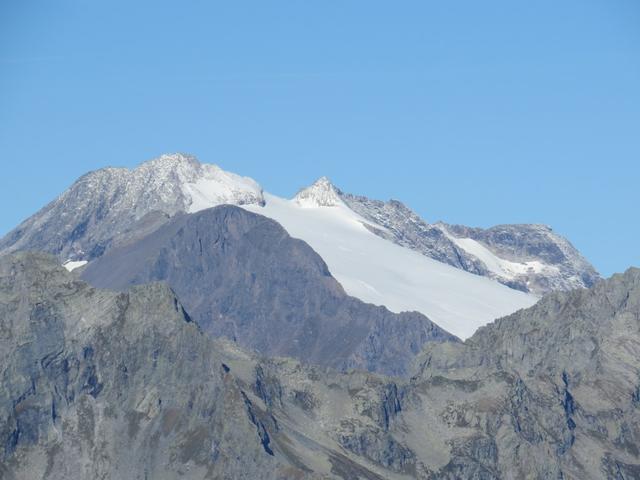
(381, 252)
(103, 206)
(383, 273)
(531, 258)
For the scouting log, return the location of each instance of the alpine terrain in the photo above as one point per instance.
(98, 384)
(381, 253)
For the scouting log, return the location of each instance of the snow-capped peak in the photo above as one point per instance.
(321, 193)
(178, 181)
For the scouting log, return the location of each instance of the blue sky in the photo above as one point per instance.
(471, 112)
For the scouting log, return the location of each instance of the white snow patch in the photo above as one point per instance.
(72, 265)
(378, 271)
(216, 187)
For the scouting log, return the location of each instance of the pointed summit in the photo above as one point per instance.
(321, 193)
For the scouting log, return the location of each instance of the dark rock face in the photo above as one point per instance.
(98, 384)
(241, 276)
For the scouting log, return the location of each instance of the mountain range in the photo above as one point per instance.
(381, 253)
(176, 321)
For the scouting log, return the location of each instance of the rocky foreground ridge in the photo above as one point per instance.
(99, 384)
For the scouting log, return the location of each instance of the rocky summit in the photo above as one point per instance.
(114, 385)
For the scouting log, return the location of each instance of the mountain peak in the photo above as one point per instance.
(323, 181)
(103, 204)
(177, 158)
(321, 193)
(181, 166)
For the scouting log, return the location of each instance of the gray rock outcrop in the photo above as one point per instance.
(566, 268)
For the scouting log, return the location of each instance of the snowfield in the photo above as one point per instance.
(378, 271)
(71, 265)
(214, 186)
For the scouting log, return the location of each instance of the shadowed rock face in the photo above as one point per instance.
(241, 276)
(98, 384)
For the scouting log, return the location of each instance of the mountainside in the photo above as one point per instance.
(531, 258)
(241, 276)
(99, 384)
(110, 203)
(381, 252)
(552, 391)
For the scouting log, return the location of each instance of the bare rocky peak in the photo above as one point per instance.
(531, 254)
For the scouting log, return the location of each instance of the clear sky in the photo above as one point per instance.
(473, 112)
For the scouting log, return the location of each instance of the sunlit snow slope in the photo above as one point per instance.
(381, 272)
